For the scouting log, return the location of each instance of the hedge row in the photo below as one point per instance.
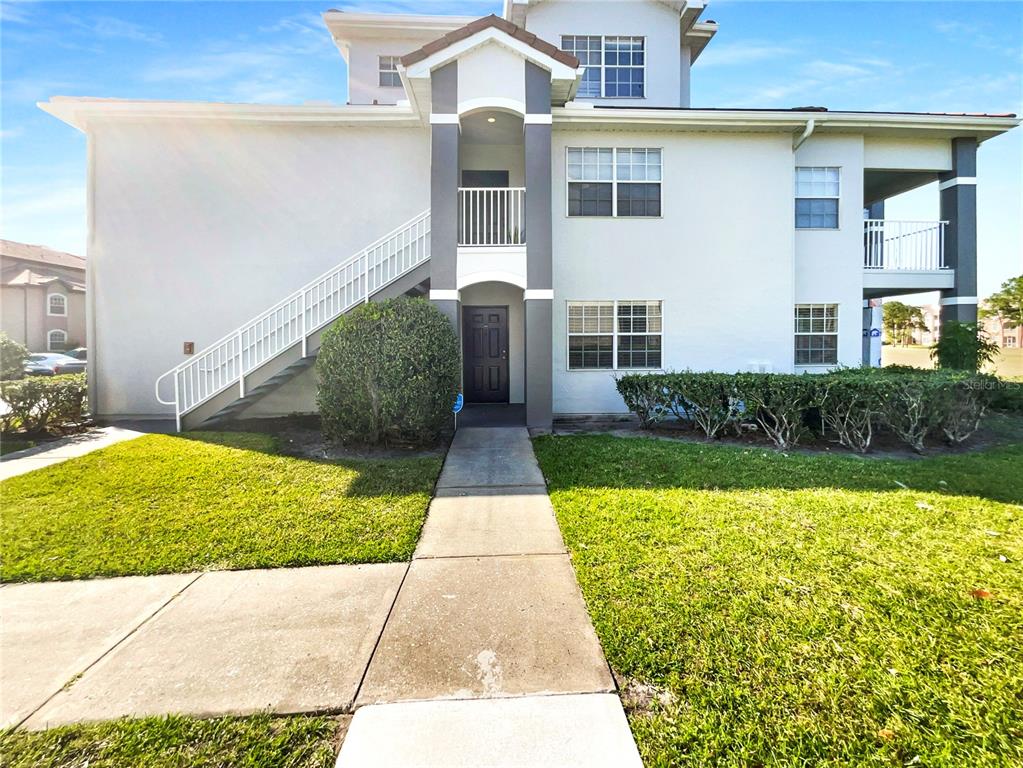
(38, 403)
(849, 405)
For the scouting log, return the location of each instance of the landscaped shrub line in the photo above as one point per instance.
(38, 403)
(850, 405)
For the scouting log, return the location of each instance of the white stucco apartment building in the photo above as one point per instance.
(543, 178)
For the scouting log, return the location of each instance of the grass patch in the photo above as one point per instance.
(802, 610)
(166, 504)
(177, 742)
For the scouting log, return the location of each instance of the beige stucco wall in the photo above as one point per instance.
(25, 319)
(199, 226)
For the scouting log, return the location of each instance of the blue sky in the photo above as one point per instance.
(917, 56)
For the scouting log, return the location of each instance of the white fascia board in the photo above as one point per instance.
(78, 112)
(784, 120)
(559, 71)
(344, 24)
(697, 38)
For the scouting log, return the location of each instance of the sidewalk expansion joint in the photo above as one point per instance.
(78, 676)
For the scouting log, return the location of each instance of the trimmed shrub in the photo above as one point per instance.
(1008, 396)
(911, 408)
(388, 374)
(778, 402)
(12, 358)
(962, 402)
(850, 405)
(646, 395)
(707, 399)
(38, 403)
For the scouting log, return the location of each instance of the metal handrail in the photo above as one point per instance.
(491, 216)
(226, 361)
(909, 245)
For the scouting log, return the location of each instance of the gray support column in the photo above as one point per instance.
(539, 295)
(958, 190)
(444, 132)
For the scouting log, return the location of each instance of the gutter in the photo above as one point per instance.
(811, 124)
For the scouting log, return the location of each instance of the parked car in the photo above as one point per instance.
(71, 366)
(46, 363)
(78, 353)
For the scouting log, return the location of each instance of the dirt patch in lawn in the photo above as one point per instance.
(301, 436)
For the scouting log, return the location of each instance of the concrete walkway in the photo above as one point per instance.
(489, 657)
(65, 448)
(478, 652)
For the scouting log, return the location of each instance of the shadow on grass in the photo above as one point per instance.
(606, 461)
(372, 477)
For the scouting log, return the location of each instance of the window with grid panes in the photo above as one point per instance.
(586, 48)
(591, 335)
(613, 182)
(615, 65)
(639, 334)
(817, 195)
(613, 335)
(816, 334)
(389, 76)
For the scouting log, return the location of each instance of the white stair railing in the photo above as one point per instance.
(491, 216)
(227, 361)
(903, 245)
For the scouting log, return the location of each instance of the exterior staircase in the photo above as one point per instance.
(226, 377)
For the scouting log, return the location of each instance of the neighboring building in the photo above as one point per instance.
(545, 179)
(999, 333)
(43, 296)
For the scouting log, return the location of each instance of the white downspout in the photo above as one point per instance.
(807, 132)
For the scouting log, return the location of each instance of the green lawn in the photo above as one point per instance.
(803, 610)
(1008, 363)
(164, 504)
(177, 742)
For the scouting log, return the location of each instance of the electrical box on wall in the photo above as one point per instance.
(189, 347)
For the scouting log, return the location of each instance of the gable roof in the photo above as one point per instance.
(40, 254)
(488, 22)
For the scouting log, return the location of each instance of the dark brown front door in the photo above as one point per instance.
(485, 354)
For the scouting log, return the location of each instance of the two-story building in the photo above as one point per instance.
(543, 178)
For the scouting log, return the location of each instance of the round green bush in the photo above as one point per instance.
(388, 374)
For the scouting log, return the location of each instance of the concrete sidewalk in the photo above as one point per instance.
(65, 448)
(483, 640)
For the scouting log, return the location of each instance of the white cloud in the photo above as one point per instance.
(15, 13)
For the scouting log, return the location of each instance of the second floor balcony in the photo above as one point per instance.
(492, 217)
(904, 257)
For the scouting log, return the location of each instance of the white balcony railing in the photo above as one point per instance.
(904, 245)
(491, 216)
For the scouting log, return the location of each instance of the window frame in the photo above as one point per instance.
(797, 333)
(615, 333)
(614, 181)
(49, 307)
(381, 71)
(49, 340)
(603, 63)
(796, 197)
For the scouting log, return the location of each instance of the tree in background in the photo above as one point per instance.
(900, 320)
(963, 347)
(1006, 304)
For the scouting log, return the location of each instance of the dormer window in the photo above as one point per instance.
(389, 77)
(615, 65)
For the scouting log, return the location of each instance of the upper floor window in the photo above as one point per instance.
(817, 193)
(605, 181)
(389, 76)
(615, 65)
(56, 304)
